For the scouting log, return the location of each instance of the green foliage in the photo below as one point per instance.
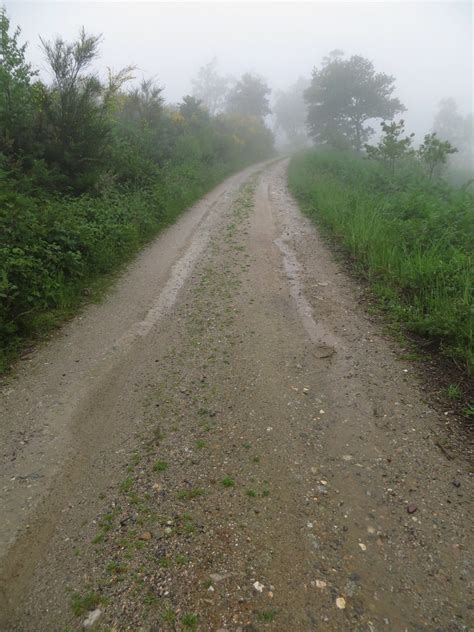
(392, 147)
(434, 152)
(249, 97)
(344, 94)
(17, 92)
(75, 111)
(90, 172)
(411, 238)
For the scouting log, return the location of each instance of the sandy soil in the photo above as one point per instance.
(229, 442)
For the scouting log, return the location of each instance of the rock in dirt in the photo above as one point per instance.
(93, 617)
(411, 508)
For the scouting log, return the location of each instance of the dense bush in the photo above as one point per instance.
(412, 238)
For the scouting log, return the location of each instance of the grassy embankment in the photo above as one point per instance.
(411, 238)
(56, 250)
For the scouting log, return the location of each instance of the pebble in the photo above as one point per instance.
(216, 577)
(145, 536)
(320, 583)
(92, 618)
(341, 603)
(411, 508)
(258, 586)
(362, 546)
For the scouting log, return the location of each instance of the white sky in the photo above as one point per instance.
(427, 46)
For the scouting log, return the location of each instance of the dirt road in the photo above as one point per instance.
(229, 442)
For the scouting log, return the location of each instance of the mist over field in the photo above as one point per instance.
(426, 46)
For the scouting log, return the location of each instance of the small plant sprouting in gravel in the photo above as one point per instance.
(228, 482)
(251, 493)
(468, 411)
(83, 603)
(453, 391)
(164, 562)
(189, 494)
(182, 560)
(256, 459)
(266, 615)
(168, 615)
(189, 620)
(200, 443)
(116, 567)
(150, 599)
(160, 466)
(126, 485)
(266, 493)
(247, 446)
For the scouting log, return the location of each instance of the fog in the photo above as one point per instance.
(426, 46)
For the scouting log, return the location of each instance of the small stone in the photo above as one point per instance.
(457, 483)
(145, 536)
(347, 457)
(341, 603)
(411, 508)
(362, 546)
(93, 617)
(216, 577)
(320, 583)
(168, 530)
(258, 586)
(156, 487)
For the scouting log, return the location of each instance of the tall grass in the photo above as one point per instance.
(412, 239)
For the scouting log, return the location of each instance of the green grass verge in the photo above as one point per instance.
(412, 239)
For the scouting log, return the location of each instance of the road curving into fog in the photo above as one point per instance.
(293, 439)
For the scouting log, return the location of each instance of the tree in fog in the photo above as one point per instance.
(211, 88)
(344, 94)
(17, 91)
(144, 103)
(393, 145)
(249, 97)
(77, 125)
(450, 124)
(434, 153)
(290, 113)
